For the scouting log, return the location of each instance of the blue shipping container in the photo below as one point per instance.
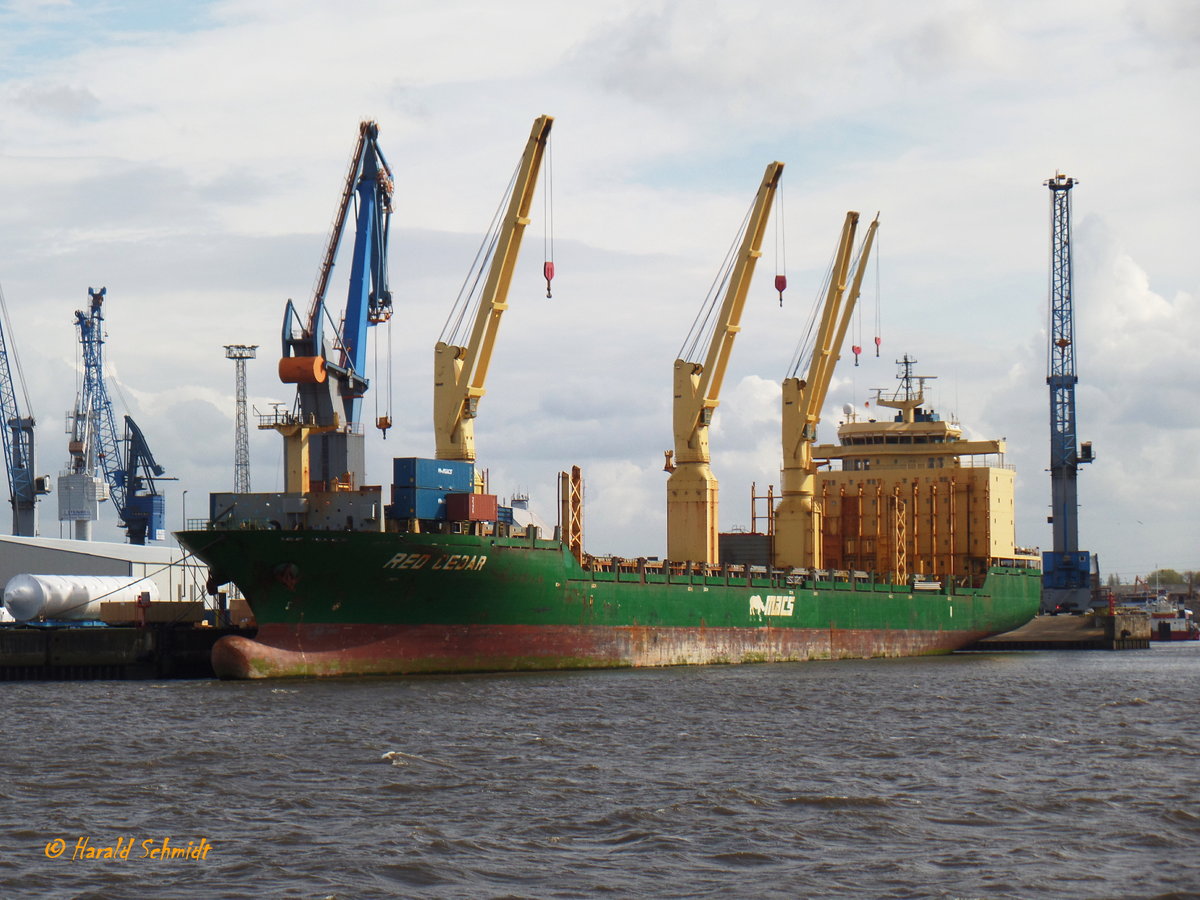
(417, 503)
(504, 514)
(433, 474)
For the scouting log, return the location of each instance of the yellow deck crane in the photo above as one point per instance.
(798, 516)
(692, 488)
(460, 372)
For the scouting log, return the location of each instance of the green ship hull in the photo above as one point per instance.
(361, 603)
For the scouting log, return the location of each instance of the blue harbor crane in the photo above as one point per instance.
(323, 437)
(19, 458)
(1066, 570)
(143, 509)
(97, 470)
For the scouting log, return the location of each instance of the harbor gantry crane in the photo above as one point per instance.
(92, 446)
(140, 504)
(692, 489)
(96, 470)
(1066, 570)
(461, 360)
(20, 460)
(324, 446)
(798, 516)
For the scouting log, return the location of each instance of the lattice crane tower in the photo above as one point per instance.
(1066, 570)
(239, 353)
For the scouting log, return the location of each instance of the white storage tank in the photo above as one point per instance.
(76, 597)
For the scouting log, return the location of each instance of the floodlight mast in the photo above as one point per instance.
(239, 353)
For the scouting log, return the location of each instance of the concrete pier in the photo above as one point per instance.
(1092, 631)
(113, 652)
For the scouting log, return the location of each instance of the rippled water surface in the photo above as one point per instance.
(976, 775)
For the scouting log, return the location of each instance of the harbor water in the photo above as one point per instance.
(1046, 774)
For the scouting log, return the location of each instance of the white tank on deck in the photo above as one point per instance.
(71, 596)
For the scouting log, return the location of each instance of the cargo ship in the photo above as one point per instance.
(342, 584)
(363, 603)
(438, 576)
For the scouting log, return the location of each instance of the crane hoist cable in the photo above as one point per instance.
(390, 378)
(802, 358)
(703, 326)
(878, 301)
(17, 438)
(802, 355)
(548, 218)
(856, 333)
(856, 343)
(11, 346)
(780, 246)
(466, 304)
(383, 420)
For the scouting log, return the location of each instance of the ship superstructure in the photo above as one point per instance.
(912, 496)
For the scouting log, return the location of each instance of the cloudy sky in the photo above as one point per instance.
(189, 157)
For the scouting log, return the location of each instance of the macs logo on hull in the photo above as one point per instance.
(773, 605)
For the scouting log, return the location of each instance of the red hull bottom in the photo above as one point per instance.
(282, 651)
